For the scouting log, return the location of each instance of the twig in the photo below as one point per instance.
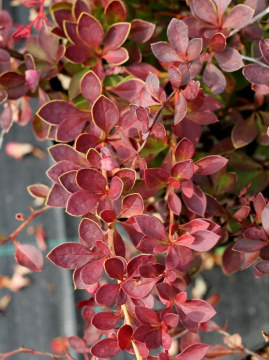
(257, 17)
(13, 53)
(23, 349)
(156, 118)
(33, 215)
(256, 61)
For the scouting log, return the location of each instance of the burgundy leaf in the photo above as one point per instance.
(217, 43)
(115, 11)
(244, 132)
(264, 48)
(195, 203)
(57, 197)
(105, 320)
(183, 170)
(115, 267)
(229, 60)
(105, 348)
(56, 111)
(70, 255)
(249, 245)
(204, 240)
(38, 190)
(125, 336)
(238, 17)
(128, 89)
(117, 57)
(165, 52)
(174, 203)
(105, 114)
(29, 256)
(90, 86)
(210, 164)
(91, 180)
(151, 226)
(263, 266)
(90, 31)
(214, 79)
(107, 294)
(68, 181)
(184, 150)
(81, 202)
(116, 36)
(231, 260)
(193, 352)
(116, 187)
(156, 178)
(141, 30)
(181, 109)
(198, 310)
(138, 289)
(132, 205)
(13, 84)
(177, 33)
(90, 232)
(146, 316)
(91, 272)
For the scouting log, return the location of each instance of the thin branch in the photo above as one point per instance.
(23, 349)
(254, 60)
(253, 20)
(250, 352)
(33, 215)
(13, 53)
(156, 118)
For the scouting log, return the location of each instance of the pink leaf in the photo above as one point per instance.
(29, 256)
(214, 79)
(217, 43)
(191, 91)
(198, 310)
(204, 240)
(77, 344)
(175, 77)
(181, 109)
(90, 232)
(264, 48)
(38, 190)
(117, 57)
(177, 33)
(151, 226)
(265, 219)
(204, 10)
(116, 187)
(193, 352)
(57, 196)
(32, 79)
(238, 17)
(210, 164)
(116, 36)
(174, 203)
(257, 74)
(128, 89)
(141, 30)
(194, 49)
(229, 60)
(90, 86)
(70, 255)
(105, 114)
(165, 52)
(90, 31)
(105, 348)
(222, 6)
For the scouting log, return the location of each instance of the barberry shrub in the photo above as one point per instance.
(158, 116)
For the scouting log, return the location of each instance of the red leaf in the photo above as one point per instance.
(264, 48)
(210, 164)
(70, 255)
(32, 79)
(156, 178)
(249, 245)
(105, 348)
(116, 36)
(90, 31)
(57, 197)
(29, 256)
(56, 111)
(128, 89)
(193, 352)
(146, 316)
(132, 205)
(195, 203)
(151, 226)
(115, 267)
(81, 202)
(214, 79)
(165, 52)
(125, 336)
(231, 260)
(184, 150)
(238, 17)
(263, 266)
(105, 114)
(244, 132)
(204, 240)
(141, 30)
(204, 10)
(183, 170)
(107, 294)
(14, 84)
(105, 320)
(229, 60)
(138, 289)
(91, 272)
(222, 6)
(90, 232)
(92, 181)
(38, 190)
(217, 43)
(177, 33)
(90, 86)
(115, 11)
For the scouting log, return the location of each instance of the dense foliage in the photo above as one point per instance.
(158, 115)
